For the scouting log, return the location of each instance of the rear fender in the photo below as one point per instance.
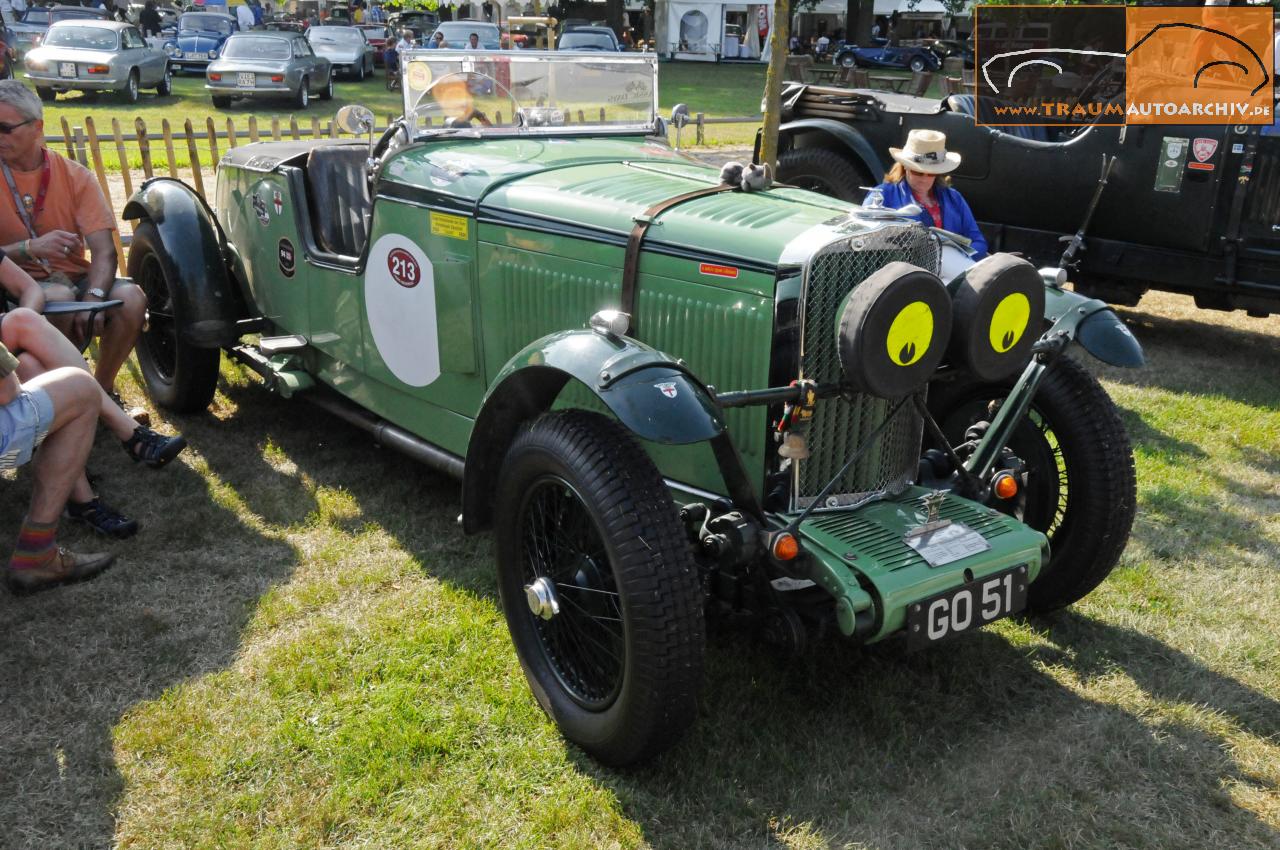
(653, 395)
(841, 135)
(194, 253)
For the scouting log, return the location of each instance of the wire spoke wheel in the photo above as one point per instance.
(598, 586)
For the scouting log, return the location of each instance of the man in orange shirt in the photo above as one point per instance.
(51, 211)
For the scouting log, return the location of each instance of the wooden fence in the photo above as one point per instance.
(160, 153)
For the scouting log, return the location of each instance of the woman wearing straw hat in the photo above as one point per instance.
(917, 177)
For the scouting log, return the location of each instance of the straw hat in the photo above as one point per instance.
(926, 150)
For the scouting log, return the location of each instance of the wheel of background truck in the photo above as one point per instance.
(599, 586)
(825, 171)
(359, 73)
(180, 377)
(1080, 489)
(303, 95)
(848, 60)
(165, 88)
(130, 91)
(917, 64)
(47, 95)
(327, 93)
(221, 102)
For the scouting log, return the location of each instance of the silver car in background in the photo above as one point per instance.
(96, 56)
(346, 48)
(264, 63)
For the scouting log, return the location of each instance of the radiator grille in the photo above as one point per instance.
(839, 427)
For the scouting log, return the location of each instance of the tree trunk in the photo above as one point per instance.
(773, 82)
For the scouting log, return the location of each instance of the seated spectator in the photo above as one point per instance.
(51, 211)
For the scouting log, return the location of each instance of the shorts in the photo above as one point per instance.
(78, 285)
(24, 423)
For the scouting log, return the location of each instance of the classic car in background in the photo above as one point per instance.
(200, 37)
(376, 34)
(1190, 209)
(457, 34)
(589, 38)
(97, 56)
(265, 64)
(420, 21)
(886, 56)
(671, 391)
(30, 28)
(346, 48)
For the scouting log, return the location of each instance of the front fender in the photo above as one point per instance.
(1094, 325)
(850, 138)
(194, 253)
(655, 396)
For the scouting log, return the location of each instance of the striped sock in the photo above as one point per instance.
(36, 546)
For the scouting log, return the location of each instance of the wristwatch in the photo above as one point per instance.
(96, 292)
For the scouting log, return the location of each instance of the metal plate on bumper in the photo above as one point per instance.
(967, 607)
(246, 80)
(949, 543)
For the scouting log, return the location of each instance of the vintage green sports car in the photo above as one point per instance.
(674, 394)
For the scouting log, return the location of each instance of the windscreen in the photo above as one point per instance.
(89, 38)
(334, 35)
(529, 91)
(204, 21)
(255, 47)
(586, 41)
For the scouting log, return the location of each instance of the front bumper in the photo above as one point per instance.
(861, 559)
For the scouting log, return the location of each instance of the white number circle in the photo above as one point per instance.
(400, 302)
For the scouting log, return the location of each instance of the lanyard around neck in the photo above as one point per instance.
(29, 210)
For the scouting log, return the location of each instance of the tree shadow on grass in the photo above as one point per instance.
(75, 659)
(970, 744)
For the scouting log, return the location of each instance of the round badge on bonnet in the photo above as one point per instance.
(891, 330)
(999, 310)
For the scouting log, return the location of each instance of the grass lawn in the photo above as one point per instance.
(302, 650)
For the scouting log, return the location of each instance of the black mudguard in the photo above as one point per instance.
(195, 254)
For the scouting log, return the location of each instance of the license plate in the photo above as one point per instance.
(246, 80)
(66, 69)
(967, 607)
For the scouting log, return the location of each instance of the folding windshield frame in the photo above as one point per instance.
(576, 123)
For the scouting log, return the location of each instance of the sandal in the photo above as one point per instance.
(103, 519)
(155, 450)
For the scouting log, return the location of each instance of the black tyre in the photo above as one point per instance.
(46, 94)
(221, 102)
(302, 96)
(825, 171)
(327, 92)
(359, 72)
(180, 377)
(848, 60)
(129, 94)
(585, 520)
(1080, 488)
(918, 64)
(165, 87)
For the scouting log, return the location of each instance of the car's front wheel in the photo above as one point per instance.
(848, 60)
(359, 72)
(599, 587)
(46, 94)
(130, 91)
(327, 92)
(825, 171)
(303, 95)
(918, 64)
(180, 377)
(165, 87)
(1080, 488)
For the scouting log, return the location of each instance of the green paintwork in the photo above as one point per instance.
(525, 240)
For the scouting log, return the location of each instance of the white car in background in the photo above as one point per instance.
(346, 48)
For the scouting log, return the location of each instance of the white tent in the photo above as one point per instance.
(709, 30)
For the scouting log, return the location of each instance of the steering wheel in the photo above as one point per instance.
(472, 112)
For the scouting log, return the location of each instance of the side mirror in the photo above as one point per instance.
(355, 119)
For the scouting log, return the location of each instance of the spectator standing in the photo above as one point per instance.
(149, 20)
(6, 11)
(51, 211)
(255, 6)
(244, 16)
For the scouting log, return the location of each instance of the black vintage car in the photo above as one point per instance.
(1193, 209)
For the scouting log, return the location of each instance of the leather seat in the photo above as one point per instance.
(340, 200)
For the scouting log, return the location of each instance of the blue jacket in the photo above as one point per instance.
(956, 216)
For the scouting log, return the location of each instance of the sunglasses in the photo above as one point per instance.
(6, 129)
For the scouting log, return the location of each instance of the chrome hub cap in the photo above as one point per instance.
(541, 596)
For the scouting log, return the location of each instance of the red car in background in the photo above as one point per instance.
(377, 35)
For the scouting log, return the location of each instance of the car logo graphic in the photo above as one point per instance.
(667, 388)
(260, 209)
(1204, 148)
(277, 200)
